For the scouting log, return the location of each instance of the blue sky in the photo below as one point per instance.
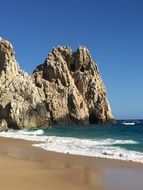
(111, 29)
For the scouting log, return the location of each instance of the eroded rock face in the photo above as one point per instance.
(66, 89)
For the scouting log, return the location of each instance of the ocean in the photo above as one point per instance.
(123, 141)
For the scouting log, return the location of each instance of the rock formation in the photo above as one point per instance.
(66, 89)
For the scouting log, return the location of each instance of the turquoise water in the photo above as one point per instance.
(116, 132)
(118, 141)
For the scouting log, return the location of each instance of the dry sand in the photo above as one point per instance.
(23, 167)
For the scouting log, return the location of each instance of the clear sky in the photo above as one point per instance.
(111, 29)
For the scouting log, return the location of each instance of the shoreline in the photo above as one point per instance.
(37, 168)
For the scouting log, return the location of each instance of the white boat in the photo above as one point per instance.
(128, 123)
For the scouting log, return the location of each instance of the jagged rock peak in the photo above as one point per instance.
(65, 89)
(6, 50)
(76, 70)
(9, 67)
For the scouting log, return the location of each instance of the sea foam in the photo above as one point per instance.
(104, 148)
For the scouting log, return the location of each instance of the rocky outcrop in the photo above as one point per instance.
(66, 89)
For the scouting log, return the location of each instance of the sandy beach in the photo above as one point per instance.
(25, 167)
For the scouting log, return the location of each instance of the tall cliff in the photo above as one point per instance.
(65, 89)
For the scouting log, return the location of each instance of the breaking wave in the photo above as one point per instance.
(95, 147)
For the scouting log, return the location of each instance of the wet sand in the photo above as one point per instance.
(25, 167)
